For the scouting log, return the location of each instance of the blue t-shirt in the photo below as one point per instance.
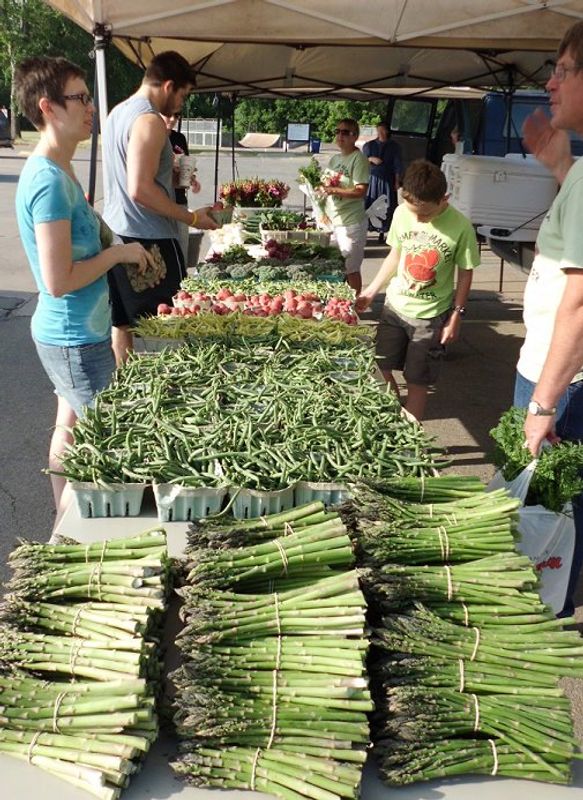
(46, 194)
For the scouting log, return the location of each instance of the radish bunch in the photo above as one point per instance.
(305, 305)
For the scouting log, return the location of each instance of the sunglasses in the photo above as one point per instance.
(82, 97)
(344, 132)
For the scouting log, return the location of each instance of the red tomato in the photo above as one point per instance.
(164, 308)
(223, 293)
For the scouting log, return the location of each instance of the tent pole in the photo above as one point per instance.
(233, 104)
(101, 38)
(217, 148)
(94, 145)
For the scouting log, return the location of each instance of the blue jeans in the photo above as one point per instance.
(569, 426)
(78, 373)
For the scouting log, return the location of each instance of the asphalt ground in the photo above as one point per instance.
(474, 389)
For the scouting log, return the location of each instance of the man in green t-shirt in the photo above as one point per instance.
(423, 309)
(345, 184)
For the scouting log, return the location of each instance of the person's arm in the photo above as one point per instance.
(61, 274)
(147, 140)
(388, 269)
(549, 145)
(358, 190)
(451, 329)
(563, 361)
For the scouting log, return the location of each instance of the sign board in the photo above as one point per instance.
(298, 132)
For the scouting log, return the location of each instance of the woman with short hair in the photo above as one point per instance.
(71, 326)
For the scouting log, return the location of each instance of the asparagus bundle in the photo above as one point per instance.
(306, 552)
(427, 489)
(532, 655)
(94, 717)
(221, 532)
(332, 606)
(277, 681)
(424, 761)
(134, 571)
(288, 775)
(369, 504)
(471, 684)
(462, 534)
(417, 714)
(507, 578)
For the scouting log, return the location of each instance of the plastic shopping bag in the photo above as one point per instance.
(378, 210)
(547, 537)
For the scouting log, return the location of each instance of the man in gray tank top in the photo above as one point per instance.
(139, 193)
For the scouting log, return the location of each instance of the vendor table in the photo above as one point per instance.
(19, 781)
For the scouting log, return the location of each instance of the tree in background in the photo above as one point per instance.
(272, 116)
(31, 28)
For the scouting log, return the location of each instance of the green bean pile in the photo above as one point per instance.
(207, 325)
(79, 661)
(240, 415)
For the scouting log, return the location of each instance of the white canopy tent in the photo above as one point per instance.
(334, 48)
(337, 47)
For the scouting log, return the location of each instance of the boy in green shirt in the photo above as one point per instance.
(422, 312)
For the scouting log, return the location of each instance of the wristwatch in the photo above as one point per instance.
(537, 410)
(461, 310)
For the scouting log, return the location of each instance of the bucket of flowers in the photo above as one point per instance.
(250, 196)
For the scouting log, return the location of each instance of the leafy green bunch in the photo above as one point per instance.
(558, 474)
(311, 174)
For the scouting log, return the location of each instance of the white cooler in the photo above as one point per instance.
(500, 192)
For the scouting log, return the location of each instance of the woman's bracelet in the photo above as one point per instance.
(192, 222)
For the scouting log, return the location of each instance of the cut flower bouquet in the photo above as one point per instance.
(254, 192)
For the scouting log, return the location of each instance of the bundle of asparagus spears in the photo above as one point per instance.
(79, 662)
(467, 657)
(272, 693)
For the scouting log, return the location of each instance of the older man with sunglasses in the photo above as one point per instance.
(345, 201)
(549, 380)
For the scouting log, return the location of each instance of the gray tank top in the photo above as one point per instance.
(122, 214)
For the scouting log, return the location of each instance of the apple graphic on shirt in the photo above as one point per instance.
(419, 268)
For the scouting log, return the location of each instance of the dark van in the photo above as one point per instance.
(486, 124)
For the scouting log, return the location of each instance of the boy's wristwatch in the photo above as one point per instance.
(537, 410)
(461, 310)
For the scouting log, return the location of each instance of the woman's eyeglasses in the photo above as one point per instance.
(82, 97)
(344, 132)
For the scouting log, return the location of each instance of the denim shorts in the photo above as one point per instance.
(78, 373)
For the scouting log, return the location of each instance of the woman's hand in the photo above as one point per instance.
(375, 160)
(195, 186)
(134, 253)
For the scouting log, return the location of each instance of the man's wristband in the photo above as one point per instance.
(461, 310)
(192, 222)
